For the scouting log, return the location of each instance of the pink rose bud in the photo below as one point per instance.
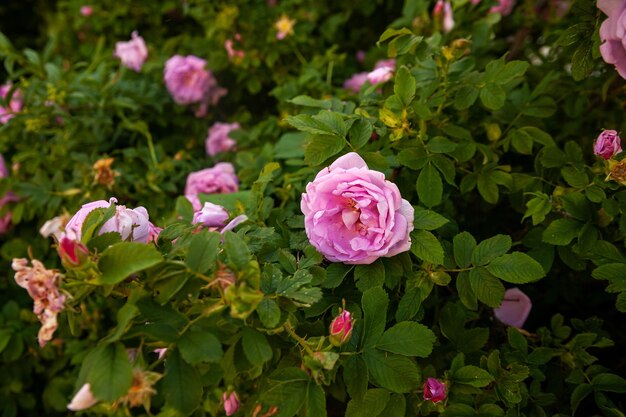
(448, 17)
(438, 9)
(231, 403)
(434, 390)
(4, 172)
(608, 144)
(220, 179)
(380, 75)
(353, 215)
(515, 308)
(360, 56)
(211, 215)
(218, 140)
(72, 253)
(14, 106)
(83, 399)
(86, 10)
(341, 329)
(132, 53)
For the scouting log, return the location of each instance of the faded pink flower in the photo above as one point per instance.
(353, 215)
(86, 10)
(231, 403)
(132, 53)
(448, 17)
(234, 55)
(83, 399)
(211, 215)
(613, 34)
(14, 106)
(219, 179)
(608, 144)
(218, 140)
(189, 82)
(341, 329)
(131, 224)
(54, 227)
(504, 7)
(43, 287)
(434, 390)
(514, 309)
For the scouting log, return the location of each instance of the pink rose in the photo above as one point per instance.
(211, 215)
(189, 82)
(219, 179)
(607, 144)
(132, 53)
(380, 75)
(613, 34)
(83, 399)
(514, 309)
(434, 390)
(218, 140)
(86, 10)
(353, 215)
(231, 403)
(355, 82)
(131, 224)
(383, 72)
(14, 106)
(341, 329)
(504, 7)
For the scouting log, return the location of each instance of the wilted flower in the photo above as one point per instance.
(219, 179)
(104, 174)
(14, 106)
(83, 399)
(514, 309)
(617, 171)
(218, 140)
(504, 7)
(72, 252)
(434, 390)
(353, 215)
(54, 227)
(132, 53)
(43, 287)
(231, 403)
(608, 144)
(284, 27)
(141, 389)
(612, 34)
(86, 10)
(341, 329)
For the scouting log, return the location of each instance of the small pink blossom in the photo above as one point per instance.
(234, 55)
(355, 82)
(43, 287)
(434, 390)
(608, 144)
(218, 140)
(504, 7)
(86, 10)
(353, 215)
(132, 53)
(360, 56)
(14, 106)
(514, 309)
(231, 403)
(220, 179)
(211, 215)
(448, 17)
(160, 352)
(380, 75)
(341, 329)
(83, 399)
(382, 72)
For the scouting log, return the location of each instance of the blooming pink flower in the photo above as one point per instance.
(211, 215)
(132, 53)
(434, 390)
(613, 34)
(43, 287)
(189, 82)
(504, 7)
(515, 308)
(382, 72)
(607, 144)
(341, 329)
(131, 224)
(218, 139)
(231, 403)
(353, 215)
(83, 399)
(14, 106)
(219, 179)
(86, 10)
(380, 75)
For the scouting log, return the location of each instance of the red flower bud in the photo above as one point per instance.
(72, 252)
(341, 329)
(434, 390)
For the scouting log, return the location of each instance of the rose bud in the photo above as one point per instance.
(434, 390)
(72, 253)
(231, 403)
(341, 329)
(608, 144)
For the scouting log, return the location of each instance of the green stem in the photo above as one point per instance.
(300, 340)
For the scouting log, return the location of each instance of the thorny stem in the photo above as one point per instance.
(300, 340)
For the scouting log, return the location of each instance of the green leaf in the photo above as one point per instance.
(315, 402)
(182, 386)
(374, 303)
(465, 97)
(369, 276)
(308, 101)
(511, 70)
(360, 133)
(237, 251)
(582, 61)
(5, 337)
(516, 268)
(371, 405)
(335, 273)
(409, 304)
(521, 141)
(255, 346)
(203, 250)
(487, 288)
(429, 186)
(428, 219)
(396, 407)
(308, 124)
(473, 375)
(609, 383)
(578, 395)
(404, 86)
(426, 247)
(408, 338)
(561, 232)
(126, 258)
(394, 372)
(110, 374)
(466, 293)
(490, 249)
(441, 144)
(200, 346)
(319, 148)
(355, 376)
(487, 188)
(269, 313)
(463, 246)
(492, 96)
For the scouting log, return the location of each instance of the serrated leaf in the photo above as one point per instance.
(369, 276)
(110, 374)
(123, 259)
(427, 219)
(492, 96)
(394, 372)
(269, 313)
(561, 232)
(490, 249)
(463, 246)
(374, 303)
(408, 338)
(182, 386)
(315, 401)
(487, 288)
(371, 405)
(255, 346)
(404, 86)
(516, 268)
(473, 375)
(200, 346)
(360, 133)
(426, 247)
(237, 251)
(429, 186)
(319, 148)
